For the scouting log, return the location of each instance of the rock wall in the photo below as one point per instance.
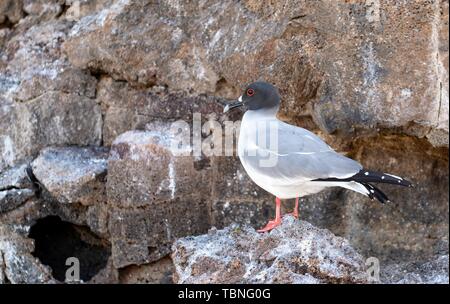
(88, 90)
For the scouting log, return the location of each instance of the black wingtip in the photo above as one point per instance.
(367, 176)
(375, 193)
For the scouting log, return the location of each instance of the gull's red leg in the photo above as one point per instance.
(277, 221)
(295, 212)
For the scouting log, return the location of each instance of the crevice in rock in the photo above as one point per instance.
(297, 17)
(9, 188)
(37, 185)
(24, 13)
(99, 74)
(3, 269)
(6, 280)
(7, 24)
(64, 8)
(413, 131)
(56, 241)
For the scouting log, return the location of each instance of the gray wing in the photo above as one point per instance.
(297, 155)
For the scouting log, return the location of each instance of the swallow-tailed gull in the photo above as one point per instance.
(289, 161)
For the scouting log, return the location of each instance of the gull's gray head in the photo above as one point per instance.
(257, 96)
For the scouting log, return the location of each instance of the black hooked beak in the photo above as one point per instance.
(233, 105)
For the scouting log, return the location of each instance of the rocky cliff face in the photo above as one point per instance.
(88, 90)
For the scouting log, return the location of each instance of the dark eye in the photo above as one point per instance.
(250, 92)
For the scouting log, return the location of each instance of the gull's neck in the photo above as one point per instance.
(269, 113)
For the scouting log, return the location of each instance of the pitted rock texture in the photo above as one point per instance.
(434, 271)
(295, 252)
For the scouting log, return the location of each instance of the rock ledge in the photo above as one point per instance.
(296, 252)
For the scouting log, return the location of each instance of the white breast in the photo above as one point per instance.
(247, 141)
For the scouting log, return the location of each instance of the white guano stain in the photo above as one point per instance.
(168, 230)
(172, 180)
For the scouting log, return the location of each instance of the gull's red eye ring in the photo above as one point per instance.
(250, 92)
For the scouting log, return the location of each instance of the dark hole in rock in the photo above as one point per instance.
(56, 241)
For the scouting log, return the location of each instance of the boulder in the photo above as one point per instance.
(236, 198)
(295, 252)
(77, 9)
(35, 64)
(95, 217)
(19, 266)
(154, 196)
(73, 175)
(2, 271)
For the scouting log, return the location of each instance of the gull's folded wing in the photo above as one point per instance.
(295, 155)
